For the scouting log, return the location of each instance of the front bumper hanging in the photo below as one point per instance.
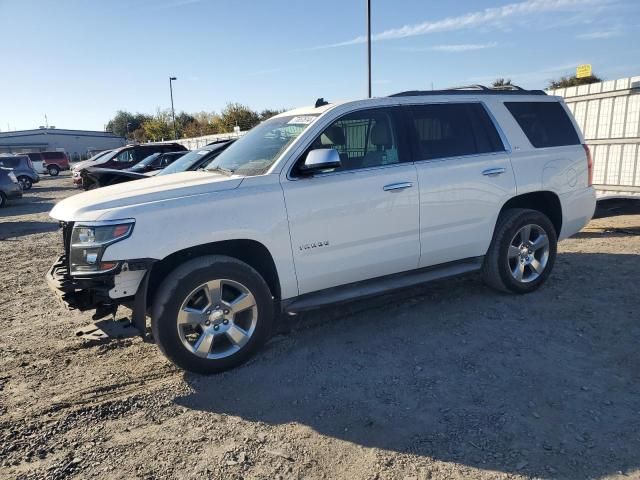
(92, 293)
(81, 293)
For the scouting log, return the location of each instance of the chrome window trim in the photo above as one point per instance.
(448, 159)
(345, 172)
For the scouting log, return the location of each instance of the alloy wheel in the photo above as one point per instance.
(217, 319)
(528, 253)
(25, 182)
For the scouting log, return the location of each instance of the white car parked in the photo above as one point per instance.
(326, 204)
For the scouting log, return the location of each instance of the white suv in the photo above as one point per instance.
(326, 204)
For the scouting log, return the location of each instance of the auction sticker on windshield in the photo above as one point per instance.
(302, 120)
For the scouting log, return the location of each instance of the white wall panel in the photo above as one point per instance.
(613, 165)
(627, 170)
(618, 118)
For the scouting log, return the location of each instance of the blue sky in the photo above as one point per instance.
(81, 61)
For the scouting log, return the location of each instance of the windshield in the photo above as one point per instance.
(184, 162)
(254, 153)
(146, 161)
(107, 157)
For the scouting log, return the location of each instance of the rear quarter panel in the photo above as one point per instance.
(561, 170)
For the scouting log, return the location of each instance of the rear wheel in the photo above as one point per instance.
(211, 314)
(25, 182)
(522, 252)
(53, 170)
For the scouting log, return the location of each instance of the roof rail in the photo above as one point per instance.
(472, 90)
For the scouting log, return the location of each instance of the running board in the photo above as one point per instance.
(380, 285)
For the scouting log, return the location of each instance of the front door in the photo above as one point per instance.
(358, 221)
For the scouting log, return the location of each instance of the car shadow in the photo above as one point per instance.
(545, 385)
(23, 228)
(616, 207)
(25, 206)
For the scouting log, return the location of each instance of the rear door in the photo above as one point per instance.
(358, 221)
(465, 176)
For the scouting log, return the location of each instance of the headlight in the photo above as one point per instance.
(12, 177)
(89, 240)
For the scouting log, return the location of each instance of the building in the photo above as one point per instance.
(76, 143)
(609, 115)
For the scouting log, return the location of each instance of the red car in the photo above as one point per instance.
(53, 162)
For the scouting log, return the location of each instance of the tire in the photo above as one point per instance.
(25, 182)
(514, 264)
(224, 338)
(3, 200)
(53, 170)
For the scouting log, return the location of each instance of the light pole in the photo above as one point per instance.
(173, 113)
(369, 45)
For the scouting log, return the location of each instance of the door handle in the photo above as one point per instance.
(493, 172)
(395, 187)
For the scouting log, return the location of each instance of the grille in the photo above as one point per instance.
(67, 228)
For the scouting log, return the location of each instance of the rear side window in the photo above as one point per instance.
(453, 130)
(53, 155)
(9, 162)
(545, 124)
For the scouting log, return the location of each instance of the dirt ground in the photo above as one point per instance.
(450, 380)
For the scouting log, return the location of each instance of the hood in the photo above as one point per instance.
(81, 165)
(91, 205)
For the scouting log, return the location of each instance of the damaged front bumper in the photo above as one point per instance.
(125, 285)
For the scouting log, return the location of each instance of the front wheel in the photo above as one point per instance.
(53, 170)
(25, 182)
(522, 252)
(211, 314)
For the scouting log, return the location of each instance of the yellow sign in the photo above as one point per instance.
(583, 71)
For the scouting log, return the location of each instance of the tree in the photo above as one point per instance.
(501, 82)
(236, 114)
(267, 113)
(573, 81)
(159, 127)
(124, 123)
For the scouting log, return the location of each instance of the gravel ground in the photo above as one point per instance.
(450, 380)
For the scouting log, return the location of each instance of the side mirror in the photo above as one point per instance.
(321, 159)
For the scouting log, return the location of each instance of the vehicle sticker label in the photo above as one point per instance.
(301, 120)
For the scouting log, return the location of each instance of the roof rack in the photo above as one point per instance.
(472, 90)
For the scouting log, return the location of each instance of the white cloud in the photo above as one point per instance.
(452, 48)
(482, 18)
(599, 35)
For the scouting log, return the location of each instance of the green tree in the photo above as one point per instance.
(573, 81)
(236, 114)
(268, 113)
(501, 82)
(159, 127)
(125, 123)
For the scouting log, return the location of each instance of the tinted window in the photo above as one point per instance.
(52, 155)
(545, 124)
(363, 139)
(453, 130)
(125, 156)
(9, 162)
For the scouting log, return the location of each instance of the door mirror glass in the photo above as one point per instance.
(321, 159)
